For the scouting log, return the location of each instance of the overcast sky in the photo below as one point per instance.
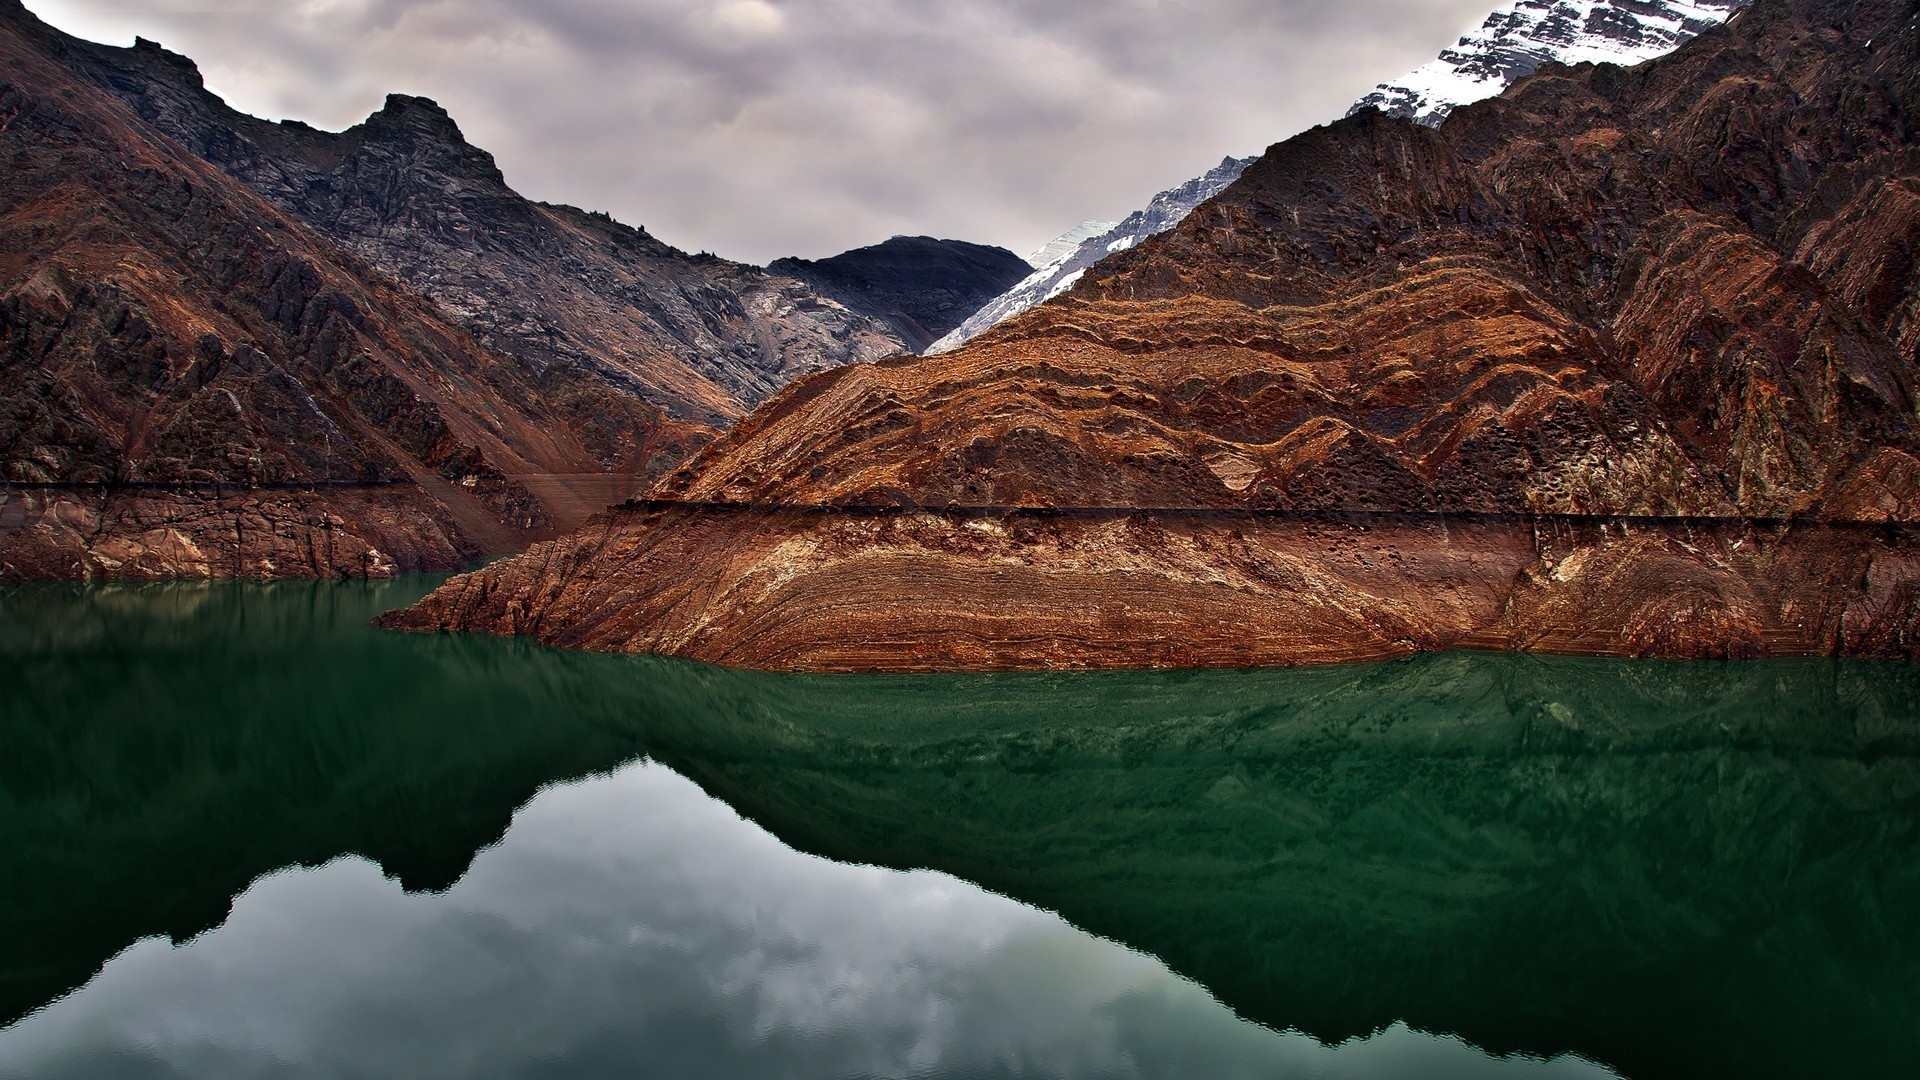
(760, 128)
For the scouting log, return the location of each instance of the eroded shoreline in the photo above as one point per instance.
(896, 589)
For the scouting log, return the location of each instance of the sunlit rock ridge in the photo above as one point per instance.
(1517, 39)
(1513, 42)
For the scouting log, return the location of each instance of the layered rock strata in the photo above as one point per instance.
(1625, 358)
(914, 590)
(1513, 42)
(151, 534)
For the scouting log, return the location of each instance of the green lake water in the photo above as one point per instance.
(244, 834)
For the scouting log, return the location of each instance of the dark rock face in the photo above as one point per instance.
(919, 286)
(192, 382)
(194, 301)
(1658, 312)
(615, 325)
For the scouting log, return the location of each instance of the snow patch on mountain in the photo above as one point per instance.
(1518, 38)
(1059, 273)
(1067, 242)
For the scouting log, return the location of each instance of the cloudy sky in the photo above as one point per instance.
(760, 128)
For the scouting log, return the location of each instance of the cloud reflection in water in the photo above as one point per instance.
(631, 925)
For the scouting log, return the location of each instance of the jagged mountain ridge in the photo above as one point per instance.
(606, 308)
(1622, 361)
(919, 286)
(195, 383)
(1515, 40)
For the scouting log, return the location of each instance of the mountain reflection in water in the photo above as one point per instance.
(593, 941)
(1674, 869)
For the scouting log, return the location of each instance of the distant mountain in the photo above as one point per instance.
(1517, 39)
(1066, 265)
(1513, 42)
(918, 286)
(583, 300)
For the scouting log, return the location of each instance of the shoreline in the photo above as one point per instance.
(912, 590)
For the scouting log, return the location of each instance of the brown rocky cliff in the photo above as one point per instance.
(617, 326)
(166, 334)
(1699, 216)
(912, 590)
(1621, 362)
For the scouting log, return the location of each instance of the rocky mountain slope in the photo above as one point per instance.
(1064, 261)
(607, 316)
(192, 382)
(1513, 42)
(918, 286)
(1622, 361)
(1518, 38)
(268, 350)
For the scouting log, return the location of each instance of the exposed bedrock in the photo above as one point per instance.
(156, 534)
(178, 357)
(631, 339)
(898, 590)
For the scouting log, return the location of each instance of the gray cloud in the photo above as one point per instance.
(760, 128)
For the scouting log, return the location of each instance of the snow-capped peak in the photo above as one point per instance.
(1518, 38)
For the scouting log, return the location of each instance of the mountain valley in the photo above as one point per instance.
(1606, 367)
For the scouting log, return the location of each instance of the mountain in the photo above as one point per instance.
(212, 362)
(1067, 242)
(1622, 361)
(1513, 42)
(1066, 259)
(601, 312)
(193, 382)
(918, 286)
(1517, 39)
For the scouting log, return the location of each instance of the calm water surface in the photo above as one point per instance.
(242, 834)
